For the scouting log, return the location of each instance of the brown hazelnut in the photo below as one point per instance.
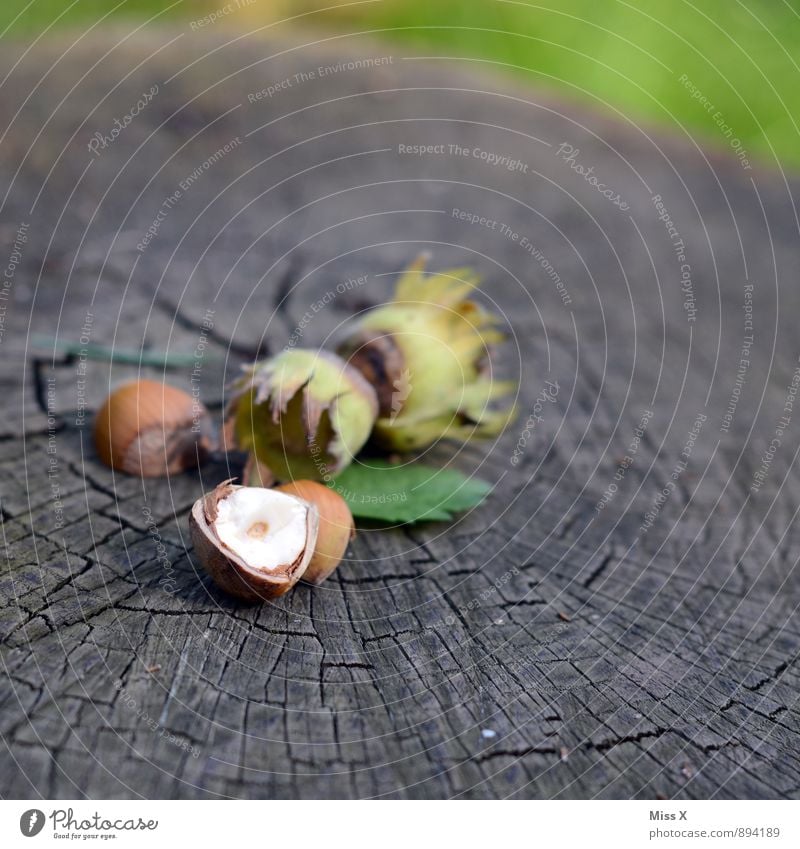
(336, 527)
(255, 543)
(150, 429)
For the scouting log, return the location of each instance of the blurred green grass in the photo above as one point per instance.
(742, 55)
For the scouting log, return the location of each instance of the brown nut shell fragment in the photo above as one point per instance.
(231, 572)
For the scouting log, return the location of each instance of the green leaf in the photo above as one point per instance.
(407, 493)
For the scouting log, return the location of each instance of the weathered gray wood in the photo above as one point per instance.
(535, 648)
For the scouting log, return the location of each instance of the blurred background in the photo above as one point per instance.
(742, 57)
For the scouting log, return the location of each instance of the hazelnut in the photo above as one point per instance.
(255, 543)
(302, 413)
(426, 353)
(149, 429)
(336, 527)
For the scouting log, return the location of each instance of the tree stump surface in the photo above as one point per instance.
(618, 619)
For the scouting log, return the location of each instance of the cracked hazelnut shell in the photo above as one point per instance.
(228, 568)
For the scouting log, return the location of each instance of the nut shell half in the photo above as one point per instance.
(229, 571)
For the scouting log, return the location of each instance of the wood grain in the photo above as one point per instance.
(538, 647)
